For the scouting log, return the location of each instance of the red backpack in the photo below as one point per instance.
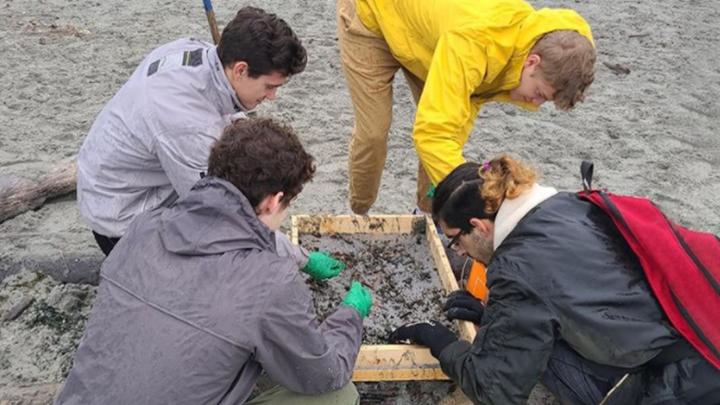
(682, 266)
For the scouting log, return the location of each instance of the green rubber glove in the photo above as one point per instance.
(322, 266)
(359, 298)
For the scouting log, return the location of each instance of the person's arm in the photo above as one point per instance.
(299, 353)
(510, 351)
(319, 265)
(184, 155)
(445, 113)
(285, 248)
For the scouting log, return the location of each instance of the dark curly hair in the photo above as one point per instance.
(262, 40)
(261, 157)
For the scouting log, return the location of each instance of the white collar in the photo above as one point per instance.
(513, 210)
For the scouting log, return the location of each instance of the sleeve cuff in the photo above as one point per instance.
(450, 353)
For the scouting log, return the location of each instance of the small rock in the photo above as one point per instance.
(17, 309)
(617, 68)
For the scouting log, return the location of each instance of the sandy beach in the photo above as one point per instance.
(650, 124)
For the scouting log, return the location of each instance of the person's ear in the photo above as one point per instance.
(270, 204)
(533, 60)
(484, 226)
(240, 68)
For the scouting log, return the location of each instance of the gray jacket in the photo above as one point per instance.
(151, 141)
(194, 301)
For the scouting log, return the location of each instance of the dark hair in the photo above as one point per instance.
(262, 40)
(477, 191)
(458, 197)
(261, 157)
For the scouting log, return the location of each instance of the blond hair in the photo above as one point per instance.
(567, 63)
(504, 177)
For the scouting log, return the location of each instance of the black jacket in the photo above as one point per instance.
(564, 272)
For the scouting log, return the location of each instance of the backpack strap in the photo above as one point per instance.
(586, 172)
(680, 265)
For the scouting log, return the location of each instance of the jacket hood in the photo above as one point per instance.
(546, 20)
(512, 210)
(215, 217)
(222, 83)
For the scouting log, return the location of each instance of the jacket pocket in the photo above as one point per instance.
(348, 20)
(345, 14)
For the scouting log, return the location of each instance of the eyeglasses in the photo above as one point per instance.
(454, 241)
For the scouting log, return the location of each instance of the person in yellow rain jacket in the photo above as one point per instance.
(456, 55)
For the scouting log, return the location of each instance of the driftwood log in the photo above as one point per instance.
(18, 195)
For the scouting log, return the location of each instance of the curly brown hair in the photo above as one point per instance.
(262, 40)
(504, 177)
(261, 157)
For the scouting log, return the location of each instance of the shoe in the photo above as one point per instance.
(418, 211)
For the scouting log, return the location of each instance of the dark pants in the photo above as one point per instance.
(106, 243)
(576, 380)
(676, 376)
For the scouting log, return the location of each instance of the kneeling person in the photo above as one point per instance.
(569, 305)
(195, 301)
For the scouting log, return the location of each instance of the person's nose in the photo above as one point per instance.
(271, 94)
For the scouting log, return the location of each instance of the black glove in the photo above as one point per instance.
(429, 333)
(462, 305)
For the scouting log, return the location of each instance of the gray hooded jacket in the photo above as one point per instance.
(194, 301)
(150, 142)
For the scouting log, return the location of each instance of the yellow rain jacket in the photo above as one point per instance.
(468, 52)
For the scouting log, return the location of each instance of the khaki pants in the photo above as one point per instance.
(347, 395)
(369, 69)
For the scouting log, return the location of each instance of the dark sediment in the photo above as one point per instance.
(399, 271)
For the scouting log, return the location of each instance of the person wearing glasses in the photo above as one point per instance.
(569, 303)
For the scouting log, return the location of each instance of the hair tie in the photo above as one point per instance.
(485, 166)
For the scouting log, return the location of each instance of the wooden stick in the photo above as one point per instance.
(207, 4)
(18, 195)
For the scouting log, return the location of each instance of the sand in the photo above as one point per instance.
(652, 131)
